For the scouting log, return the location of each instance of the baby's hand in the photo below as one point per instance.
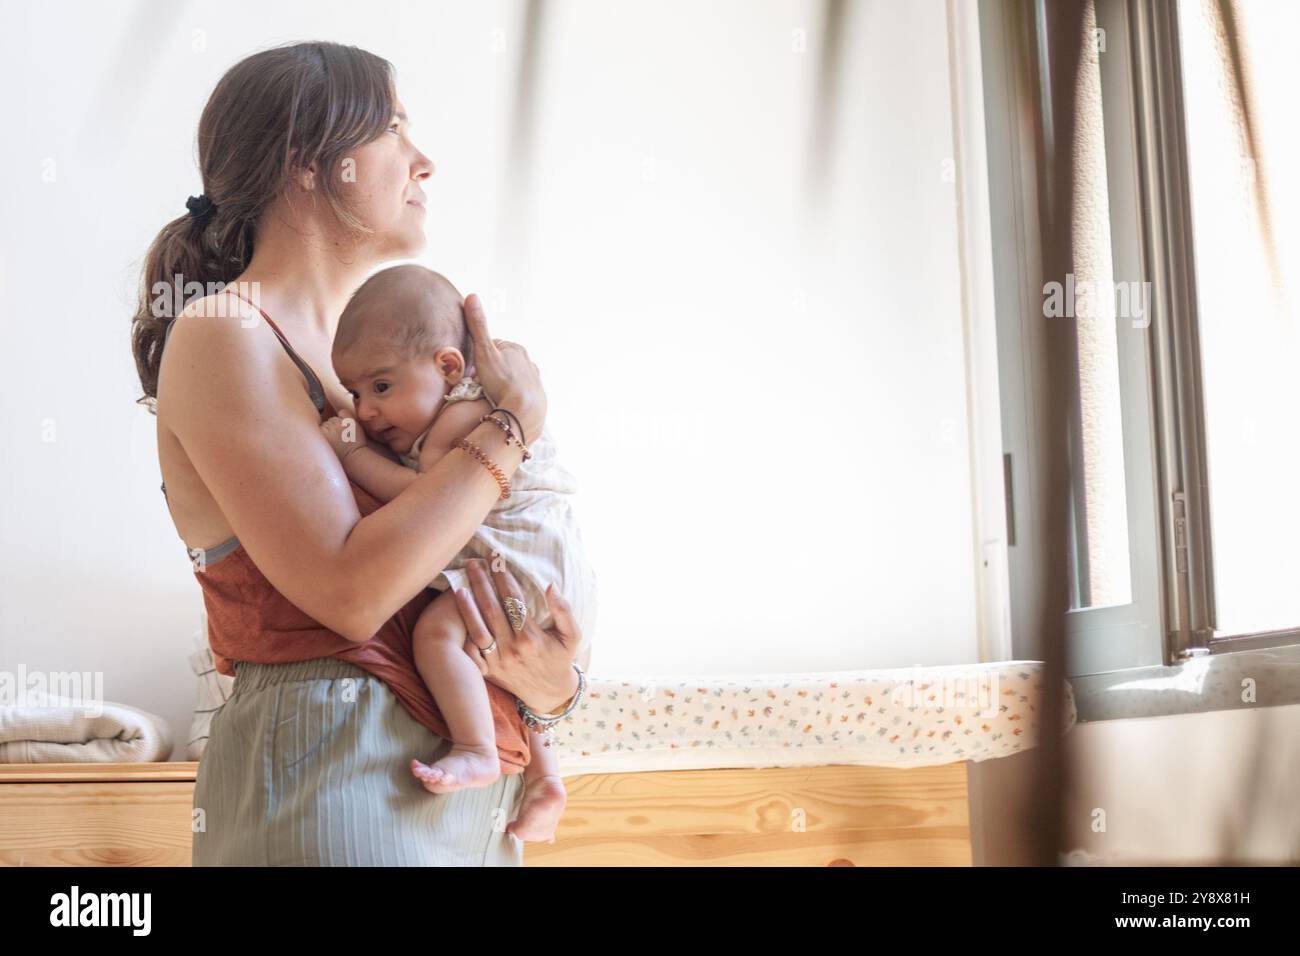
(343, 434)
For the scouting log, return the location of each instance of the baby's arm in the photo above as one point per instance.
(381, 477)
(456, 420)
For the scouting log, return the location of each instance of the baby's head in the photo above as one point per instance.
(402, 342)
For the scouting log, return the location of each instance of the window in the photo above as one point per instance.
(1115, 621)
(1183, 440)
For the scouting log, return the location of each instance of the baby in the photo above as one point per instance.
(402, 351)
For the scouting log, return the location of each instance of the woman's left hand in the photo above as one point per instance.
(535, 665)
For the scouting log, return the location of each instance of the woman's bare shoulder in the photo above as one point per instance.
(218, 342)
(216, 317)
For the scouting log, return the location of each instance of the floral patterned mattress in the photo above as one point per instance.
(904, 717)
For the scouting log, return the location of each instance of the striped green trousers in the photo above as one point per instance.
(307, 764)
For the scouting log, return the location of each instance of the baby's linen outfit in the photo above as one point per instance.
(534, 531)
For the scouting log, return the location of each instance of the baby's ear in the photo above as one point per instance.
(451, 364)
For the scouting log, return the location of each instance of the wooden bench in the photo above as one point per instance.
(139, 815)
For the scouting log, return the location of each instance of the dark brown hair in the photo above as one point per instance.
(272, 112)
(408, 308)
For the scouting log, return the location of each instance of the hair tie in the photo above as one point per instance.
(200, 206)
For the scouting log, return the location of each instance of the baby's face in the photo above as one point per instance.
(396, 397)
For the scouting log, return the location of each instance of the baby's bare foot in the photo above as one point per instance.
(540, 811)
(464, 767)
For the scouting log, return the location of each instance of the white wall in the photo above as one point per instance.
(660, 257)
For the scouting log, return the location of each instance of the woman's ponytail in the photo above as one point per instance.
(189, 258)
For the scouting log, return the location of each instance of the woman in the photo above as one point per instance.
(311, 181)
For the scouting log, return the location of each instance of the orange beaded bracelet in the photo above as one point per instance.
(487, 463)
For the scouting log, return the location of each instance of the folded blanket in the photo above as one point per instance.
(51, 729)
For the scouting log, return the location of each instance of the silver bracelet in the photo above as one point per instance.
(544, 722)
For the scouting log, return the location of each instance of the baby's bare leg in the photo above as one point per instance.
(458, 688)
(544, 796)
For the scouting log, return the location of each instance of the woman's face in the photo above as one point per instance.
(388, 196)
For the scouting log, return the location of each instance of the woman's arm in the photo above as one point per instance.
(259, 451)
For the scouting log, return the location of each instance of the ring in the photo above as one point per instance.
(491, 647)
(517, 611)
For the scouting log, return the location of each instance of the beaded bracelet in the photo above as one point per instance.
(515, 418)
(487, 463)
(510, 435)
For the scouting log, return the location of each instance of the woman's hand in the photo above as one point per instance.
(506, 372)
(534, 665)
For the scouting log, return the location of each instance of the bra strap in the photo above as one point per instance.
(314, 386)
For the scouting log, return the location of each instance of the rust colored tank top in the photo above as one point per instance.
(249, 620)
